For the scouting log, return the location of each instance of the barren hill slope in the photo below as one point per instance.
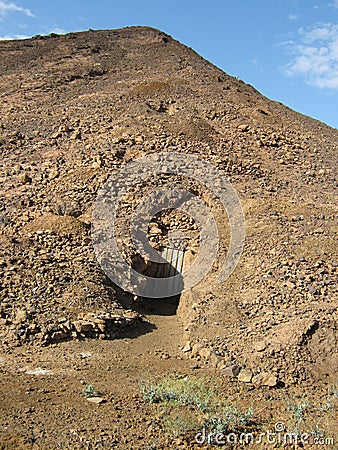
(74, 108)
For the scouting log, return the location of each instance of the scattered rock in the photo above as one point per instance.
(38, 372)
(76, 135)
(231, 371)
(260, 346)
(54, 173)
(187, 347)
(24, 178)
(245, 375)
(243, 128)
(96, 400)
(205, 352)
(264, 379)
(20, 316)
(196, 349)
(83, 326)
(59, 335)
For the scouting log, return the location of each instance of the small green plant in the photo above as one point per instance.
(193, 392)
(317, 420)
(298, 415)
(332, 395)
(90, 391)
(179, 424)
(228, 417)
(298, 410)
(150, 393)
(316, 431)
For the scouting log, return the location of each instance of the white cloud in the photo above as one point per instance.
(315, 55)
(11, 37)
(57, 30)
(6, 8)
(294, 16)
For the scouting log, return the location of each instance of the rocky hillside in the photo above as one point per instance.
(74, 108)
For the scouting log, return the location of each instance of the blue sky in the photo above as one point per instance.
(287, 49)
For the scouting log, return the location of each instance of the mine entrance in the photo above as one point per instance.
(173, 266)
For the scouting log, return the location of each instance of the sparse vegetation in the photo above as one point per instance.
(179, 423)
(183, 391)
(90, 391)
(330, 399)
(319, 421)
(298, 410)
(229, 417)
(193, 403)
(190, 404)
